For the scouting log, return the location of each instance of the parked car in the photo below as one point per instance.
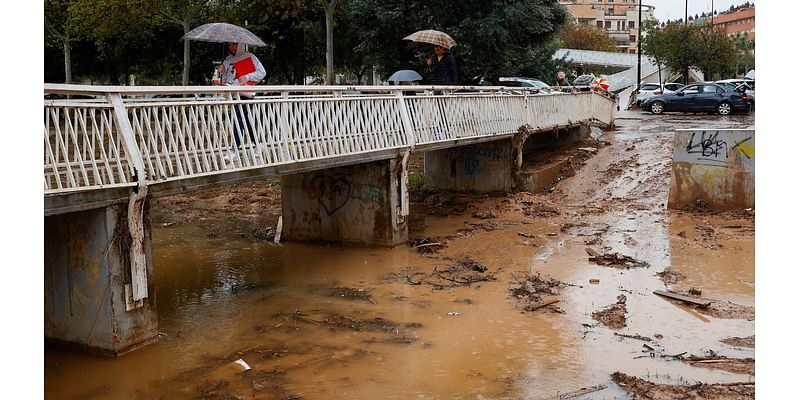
(648, 90)
(700, 97)
(538, 85)
(584, 82)
(748, 85)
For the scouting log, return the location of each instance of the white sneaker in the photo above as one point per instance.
(232, 155)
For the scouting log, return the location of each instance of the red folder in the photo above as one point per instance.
(244, 67)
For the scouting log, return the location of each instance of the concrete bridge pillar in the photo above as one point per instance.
(358, 204)
(87, 294)
(497, 165)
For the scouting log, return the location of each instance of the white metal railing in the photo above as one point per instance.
(121, 136)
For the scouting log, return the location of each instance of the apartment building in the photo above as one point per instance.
(620, 19)
(741, 20)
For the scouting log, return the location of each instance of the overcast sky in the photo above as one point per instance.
(674, 9)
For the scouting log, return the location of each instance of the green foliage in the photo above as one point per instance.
(115, 38)
(494, 38)
(681, 47)
(416, 180)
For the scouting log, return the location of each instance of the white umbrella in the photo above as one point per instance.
(405, 75)
(222, 32)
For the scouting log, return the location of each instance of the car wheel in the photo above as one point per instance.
(724, 108)
(657, 107)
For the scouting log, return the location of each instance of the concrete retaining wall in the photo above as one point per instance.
(715, 166)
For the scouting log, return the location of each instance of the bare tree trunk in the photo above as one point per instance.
(67, 60)
(186, 54)
(329, 9)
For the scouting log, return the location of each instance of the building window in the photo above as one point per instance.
(608, 24)
(632, 51)
(618, 26)
(633, 38)
(599, 24)
(631, 24)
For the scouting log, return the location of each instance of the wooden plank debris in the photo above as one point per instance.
(685, 299)
(580, 392)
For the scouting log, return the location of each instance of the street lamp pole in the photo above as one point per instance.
(686, 14)
(639, 52)
(712, 13)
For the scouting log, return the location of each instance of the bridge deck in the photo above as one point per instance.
(96, 148)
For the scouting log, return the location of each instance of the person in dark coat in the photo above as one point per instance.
(442, 66)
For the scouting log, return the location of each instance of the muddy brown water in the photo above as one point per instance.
(222, 298)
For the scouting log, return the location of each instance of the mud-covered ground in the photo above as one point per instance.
(520, 295)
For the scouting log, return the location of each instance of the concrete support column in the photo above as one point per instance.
(359, 204)
(498, 165)
(483, 167)
(87, 269)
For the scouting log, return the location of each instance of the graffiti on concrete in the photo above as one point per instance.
(712, 147)
(470, 157)
(368, 193)
(334, 191)
(717, 167)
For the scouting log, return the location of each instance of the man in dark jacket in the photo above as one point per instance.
(442, 66)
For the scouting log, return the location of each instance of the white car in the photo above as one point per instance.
(649, 90)
(527, 83)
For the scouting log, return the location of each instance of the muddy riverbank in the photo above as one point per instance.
(502, 307)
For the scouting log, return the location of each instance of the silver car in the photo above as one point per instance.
(526, 83)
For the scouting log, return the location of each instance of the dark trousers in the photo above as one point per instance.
(243, 120)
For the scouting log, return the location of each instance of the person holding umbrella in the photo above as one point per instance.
(239, 68)
(442, 66)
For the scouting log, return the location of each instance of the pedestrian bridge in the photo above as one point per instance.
(342, 153)
(103, 140)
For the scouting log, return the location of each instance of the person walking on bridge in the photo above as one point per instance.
(442, 66)
(241, 68)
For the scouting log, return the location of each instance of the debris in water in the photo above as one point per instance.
(749, 341)
(532, 290)
(352, 294)
(426, 245)
(453, 314)
(243, 364)
(594, 281)
(618, 260)
(656, 391)
(670, 276)
(484, 215)
(463, 272)
(614, 315)
(685, 299)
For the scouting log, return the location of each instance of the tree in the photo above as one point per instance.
(122, 31)
(584, 37)
(184, 13)
(653, 44)
(715, 51)
(494, 38)
(330, 9)
(61, 27)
